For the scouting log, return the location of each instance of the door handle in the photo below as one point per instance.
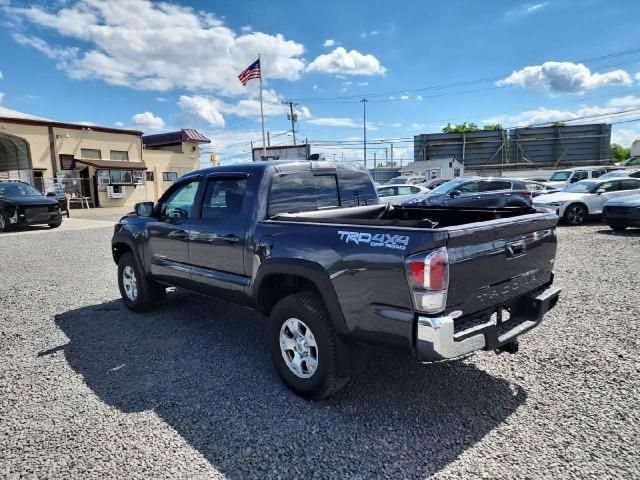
(178, 235)
(231, 238)
(477, 198)
(507, 194)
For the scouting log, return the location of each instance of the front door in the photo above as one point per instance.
(217, 240)
(168, 243)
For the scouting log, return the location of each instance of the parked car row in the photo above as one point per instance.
(588, 192)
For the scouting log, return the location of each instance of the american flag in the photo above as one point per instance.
(252, 71)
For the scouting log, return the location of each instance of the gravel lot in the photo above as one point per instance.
(88, 389)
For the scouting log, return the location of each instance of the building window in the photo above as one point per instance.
(137, 177)
(91, 153)
(119, 155)
(150, 176)
(103, 177)
(121, 176)
(169, 176)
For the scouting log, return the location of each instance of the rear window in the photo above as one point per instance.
(302, 192)
(356, 188)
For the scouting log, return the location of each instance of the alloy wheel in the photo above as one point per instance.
(130, 283)
(299, 348)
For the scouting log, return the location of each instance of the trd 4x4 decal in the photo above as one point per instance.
(397, 242)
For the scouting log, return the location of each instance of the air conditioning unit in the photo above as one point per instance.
(103, 180)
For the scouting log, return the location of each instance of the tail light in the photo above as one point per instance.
(428, 276)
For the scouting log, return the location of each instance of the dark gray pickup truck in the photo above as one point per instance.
(308, 245)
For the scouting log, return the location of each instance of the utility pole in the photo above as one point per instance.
(294, 118)
(386, 156)
(364, 128)
(268, 139)
(391, 153)
(343, 155)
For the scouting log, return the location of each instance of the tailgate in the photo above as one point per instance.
(493, 262)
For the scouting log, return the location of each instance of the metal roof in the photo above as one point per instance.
(174, 138)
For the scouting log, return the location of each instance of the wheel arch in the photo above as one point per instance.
(278, 278)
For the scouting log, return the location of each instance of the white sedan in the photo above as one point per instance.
(587, 197)
(394, 194)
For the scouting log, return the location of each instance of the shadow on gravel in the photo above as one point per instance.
(204, 368)
(630, 232)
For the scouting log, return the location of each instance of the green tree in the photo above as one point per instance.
(469, 127)
(619, 153)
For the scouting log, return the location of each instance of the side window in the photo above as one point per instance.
(179, 203)
(223, 198)
(415, 190)
(579, 175)
(385, 192)
(635, 174)
(469, 187)
(597, 173)
(630, 184)
(634, 161)
(534, 187)
(494, 185)
(610, 186)
(405, 190)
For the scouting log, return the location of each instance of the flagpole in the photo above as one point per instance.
(264, 143)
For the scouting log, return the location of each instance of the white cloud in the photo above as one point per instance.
(419, 97)
(62, 54)
(1, 76)
(340, 61)
(404, 97)
(363, 84)
(246, 29)
(303, 113)
(333, 122)
(162, 99)
(637, 76)
(157, 45)
(1, 96)
(329, 43)
(371, 33)
(203, 108)
(625, 136)
(524, 10)
(417, 126)
(147, 120)
(315, 87)
(118, 124)
(564, 77)
(594, 113)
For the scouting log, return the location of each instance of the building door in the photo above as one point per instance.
(38, 181)
(85, 183)
(96, 200)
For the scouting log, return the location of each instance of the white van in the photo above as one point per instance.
(566, 176)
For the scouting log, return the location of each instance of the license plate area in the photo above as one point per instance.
(37, 214)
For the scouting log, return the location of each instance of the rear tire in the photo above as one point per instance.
(138, 293)
(575, 214)
(304, 347)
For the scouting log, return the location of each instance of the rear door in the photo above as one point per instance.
(494, 193)
(168, 246)
(217, 238)
(469, 195)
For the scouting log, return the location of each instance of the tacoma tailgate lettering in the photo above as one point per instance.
(381, 240)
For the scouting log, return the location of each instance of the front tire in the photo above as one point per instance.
(138, 293)
(55, 224)
(575, 214)
(4, 223)
(304, 347)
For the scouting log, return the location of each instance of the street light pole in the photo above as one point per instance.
(364, 128)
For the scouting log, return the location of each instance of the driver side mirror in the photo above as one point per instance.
(51, 194)
(600, 191)
(143, 209)
(454, 193)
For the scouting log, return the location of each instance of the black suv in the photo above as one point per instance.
(476, 192)
(21, 204)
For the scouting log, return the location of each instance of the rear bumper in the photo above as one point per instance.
(437, 338)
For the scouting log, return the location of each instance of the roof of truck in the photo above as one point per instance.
(280, 165)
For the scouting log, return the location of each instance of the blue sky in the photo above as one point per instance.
(158, 67)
